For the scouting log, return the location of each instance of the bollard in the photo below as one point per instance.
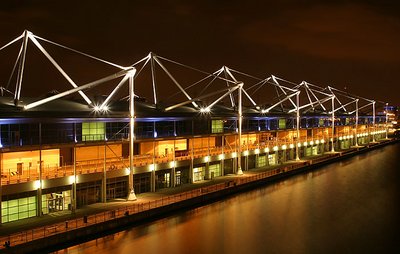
(85, 219)
(66, 224)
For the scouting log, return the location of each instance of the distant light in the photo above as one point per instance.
(275, 148)
(266, 150)
(305, 143)
(284, 147)
(234, 154)
(311, 143)
(155, 134)
(257, 151)
(172, 164)
(151, 167)
(221, 156)
(71, 179)
(245, 153)
(322, 141)
(291, 146)
(299, 144)
(96, 108)
(127, 171)
(317, 141)
(207, 159)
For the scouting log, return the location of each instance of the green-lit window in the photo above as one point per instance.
(282, 123)
(217, 126)
(262, 161)
(93, 131)
(321, 122)
(18, 209)
(215, 170)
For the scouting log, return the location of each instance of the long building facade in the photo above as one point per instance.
(51, 161)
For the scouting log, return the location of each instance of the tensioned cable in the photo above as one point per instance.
(81, 53)
(11, 42)
(192, 68)
(245, 74)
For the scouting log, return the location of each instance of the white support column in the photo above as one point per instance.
(297, 125)
(73, 201)
(333, 123)
(131, 195)
(153, 171)
(373, 121)
(104, 180)
(386, 125)
(239, 155)
(356, 133)
(39, 190)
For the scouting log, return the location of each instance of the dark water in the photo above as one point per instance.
(346, 207)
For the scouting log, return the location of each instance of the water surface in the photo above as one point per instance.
(350, 206)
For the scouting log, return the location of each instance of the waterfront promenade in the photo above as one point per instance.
(33, 229)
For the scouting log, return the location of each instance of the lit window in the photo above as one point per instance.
(93, 131)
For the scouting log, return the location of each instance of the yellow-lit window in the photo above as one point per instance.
(93, 131)
(282, 123)
(217, 126)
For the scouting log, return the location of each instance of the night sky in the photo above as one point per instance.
(352, 45)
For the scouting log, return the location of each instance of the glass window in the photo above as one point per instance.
(217, 126)
(93, 131)
(282, 123)
(17, 209)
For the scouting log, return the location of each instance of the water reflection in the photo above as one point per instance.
(347, 207)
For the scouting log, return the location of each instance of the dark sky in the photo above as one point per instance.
(352, 44)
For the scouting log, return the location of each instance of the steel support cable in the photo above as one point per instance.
(79, 52)
(192, 68)
(11, 42)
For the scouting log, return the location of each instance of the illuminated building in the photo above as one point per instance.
(61, 154)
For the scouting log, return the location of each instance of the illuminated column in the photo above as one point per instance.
(131, 196)
(191, 159)
(153, 170)
(333, 122)
(239, 155)
(207, 169)
(74, 184)
(297, 125)
(223, 156)
(104, 180)
(387, 118)
(173, 166)
(373, 121)
(39, 190)
(356, 133)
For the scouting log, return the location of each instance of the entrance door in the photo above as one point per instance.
(178, 177)
(110, 193)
